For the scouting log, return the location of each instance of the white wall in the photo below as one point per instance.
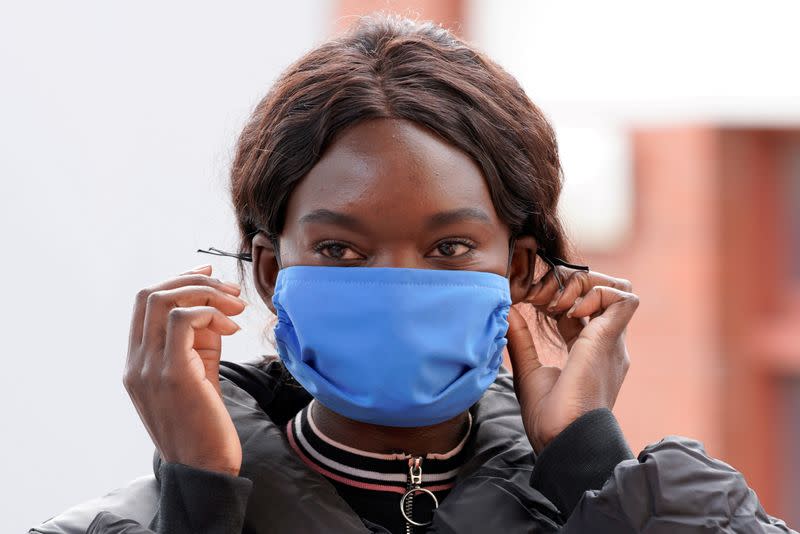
(117, 122)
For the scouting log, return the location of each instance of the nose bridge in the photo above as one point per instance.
(401, 254)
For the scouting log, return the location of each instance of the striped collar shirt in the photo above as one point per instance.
(373, 483)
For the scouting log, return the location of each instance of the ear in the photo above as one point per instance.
(265, 268)
(523, 268)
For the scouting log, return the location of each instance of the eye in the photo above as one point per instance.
(336, 250)
(453, 248)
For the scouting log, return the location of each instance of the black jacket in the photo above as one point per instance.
(585, 481)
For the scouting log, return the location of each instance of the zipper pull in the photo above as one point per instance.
(415, 486)
(415, 471)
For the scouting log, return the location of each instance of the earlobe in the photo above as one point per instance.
(522, 267)
(265, 268)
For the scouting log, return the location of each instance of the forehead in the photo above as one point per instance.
(391, 171)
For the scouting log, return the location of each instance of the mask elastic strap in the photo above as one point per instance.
(553, 262)
(276, 246)
(244, 256)
(511, 243)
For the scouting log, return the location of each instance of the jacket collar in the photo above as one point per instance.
(492, 488)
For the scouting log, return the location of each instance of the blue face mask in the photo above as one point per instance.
(392, 346)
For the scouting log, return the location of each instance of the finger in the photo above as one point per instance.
(208, 345)
(532, 380)
(231, 287)
(205, 268)
(160, 303)
(521, 349)
(180, 338)
(614, 306)
(542, 292)
(194, 277)
(137, 320)
(610, 311)
(570, 328)
(207, 340)
(578, 284)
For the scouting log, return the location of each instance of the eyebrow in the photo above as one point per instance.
(444, 218)
(332, 217)
(463, 214)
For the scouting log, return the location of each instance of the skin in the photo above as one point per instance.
(386, 193)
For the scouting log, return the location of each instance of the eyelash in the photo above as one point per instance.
(322, 245)
(460, 241)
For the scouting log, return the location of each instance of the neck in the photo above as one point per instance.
(418, 441)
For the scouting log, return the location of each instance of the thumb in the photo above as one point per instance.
(521, 350)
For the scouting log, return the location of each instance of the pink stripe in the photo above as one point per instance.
(347, 481)
(440, 487)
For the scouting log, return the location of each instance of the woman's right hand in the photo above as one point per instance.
(172, 368)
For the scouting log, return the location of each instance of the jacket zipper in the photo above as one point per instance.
(414, 482)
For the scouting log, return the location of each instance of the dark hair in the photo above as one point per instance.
(387, 66)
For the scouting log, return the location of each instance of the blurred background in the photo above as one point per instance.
(679, 128)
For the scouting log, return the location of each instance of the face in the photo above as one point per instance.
(389, 193)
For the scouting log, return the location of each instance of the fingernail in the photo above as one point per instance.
(233, 285)
(574, 305)
(535, 288)
(552, 305)
(200, 267)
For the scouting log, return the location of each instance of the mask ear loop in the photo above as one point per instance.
(551, 261)
(244, 256)
(276, 246)
(511, 243)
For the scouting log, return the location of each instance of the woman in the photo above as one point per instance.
(396, 192)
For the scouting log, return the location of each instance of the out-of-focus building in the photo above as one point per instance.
(713, 254)
(680, 139)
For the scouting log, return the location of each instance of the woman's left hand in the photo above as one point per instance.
(593, 311)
